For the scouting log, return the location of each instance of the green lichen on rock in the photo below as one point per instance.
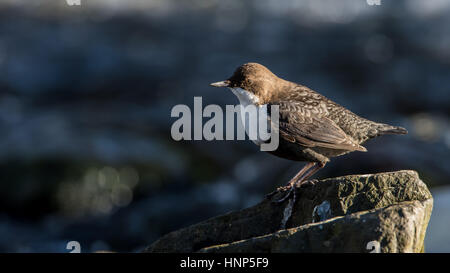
(334, 215)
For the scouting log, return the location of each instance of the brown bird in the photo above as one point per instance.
(312, 128)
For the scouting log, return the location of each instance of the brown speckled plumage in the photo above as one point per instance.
(312, 127)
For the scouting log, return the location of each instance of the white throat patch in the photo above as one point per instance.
(245, 97)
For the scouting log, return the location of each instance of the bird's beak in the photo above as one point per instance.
(225, 83)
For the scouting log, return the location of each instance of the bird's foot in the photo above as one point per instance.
(291, 189)
(279, 189)
(308, 183)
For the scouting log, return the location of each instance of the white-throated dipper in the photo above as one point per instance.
(312, 128)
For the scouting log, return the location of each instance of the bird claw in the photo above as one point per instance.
(309, 183)
(279, 189)
(291, 190)
(284, 198)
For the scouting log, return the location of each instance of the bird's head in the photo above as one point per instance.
(253, 78)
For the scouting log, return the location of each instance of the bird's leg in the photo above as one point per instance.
(304, 180)
(292, 182)
(301, 179)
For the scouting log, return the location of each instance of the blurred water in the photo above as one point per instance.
(438, 239)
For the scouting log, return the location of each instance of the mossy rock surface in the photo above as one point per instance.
(388, 211)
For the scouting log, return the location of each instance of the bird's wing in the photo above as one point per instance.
(306, 124)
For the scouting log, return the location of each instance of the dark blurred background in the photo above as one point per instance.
(86, 93)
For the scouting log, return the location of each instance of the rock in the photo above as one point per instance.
(385, 212)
